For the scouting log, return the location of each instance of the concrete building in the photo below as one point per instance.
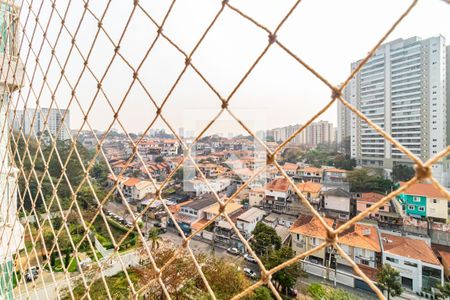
(424, 201)
(402, 88)
(418, 266)
(11, 80)
(35, 122)
(343, 131)
(321, 132)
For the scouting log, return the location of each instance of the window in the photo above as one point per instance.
(421, 208)
(391, 259)
(411, 207)
(416, 199)
(411, 264)
(435, 201)
(368, 205)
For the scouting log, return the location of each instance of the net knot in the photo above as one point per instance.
(331, 237)
(272, 38)
(187, 61)
(224, 2)
(335, 93)
(270, 158)
(222, 207)
(224, 104)
(422, 172)
(265, 277)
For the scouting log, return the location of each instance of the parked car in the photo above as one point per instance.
(32, 274)
(292, 292)
(250, 273)
(157, 225)
(249, 258)
(233, 251)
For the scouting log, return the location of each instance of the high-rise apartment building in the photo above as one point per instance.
(33, 121)
(402, 88)
(343, 125)
(321, 132)
(11, 79)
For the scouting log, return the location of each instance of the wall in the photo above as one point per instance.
(337, 203)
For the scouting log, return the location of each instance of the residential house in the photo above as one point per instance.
(278, 195)
(135, 189)
(338, 203)
(366, 200)
(424, 200)
(443, 254)
(256, 197)
(334, 175)
(209, 170)
(200, 187)
(310, 174)
(169, 147)
(290, 169)
(418, 266)
(360, 242)
(311, 190)
(194, 211)
(246, 222)
(308, 232)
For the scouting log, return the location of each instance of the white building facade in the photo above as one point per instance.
(35, 122)
(12, 239)
(402, 89)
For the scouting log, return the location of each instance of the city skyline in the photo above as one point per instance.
(274, 85)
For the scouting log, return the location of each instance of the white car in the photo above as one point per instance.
(249, 258)
(233, 251)
(250, 273)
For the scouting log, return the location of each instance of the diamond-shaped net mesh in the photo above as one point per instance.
(46, 177)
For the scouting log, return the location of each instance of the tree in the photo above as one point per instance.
(402, 173)
(262, 293)
(361, 181)
(153, 236)
(286, 277)
(388, 280)
(265, 239)
(319, 292)
(159, 159)
(99, 171)
(444, 291)
(344, 162)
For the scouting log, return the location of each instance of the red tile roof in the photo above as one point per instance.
(371, 197)
(309, 186)
(131, 181)
(423, 189)
(361, 236)
(278, 184)
(408, 247)
(290, 167)
(311, 226)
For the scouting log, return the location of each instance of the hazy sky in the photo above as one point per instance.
(327, 34)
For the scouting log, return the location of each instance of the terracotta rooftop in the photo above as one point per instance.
(311, 187)
(335, 170)
(197, 225)
(131, 181)
(229, 208)
(312, 170)
(290, 167)
(361, 236)
(371, 197)
(423, 189)
(311, 226)
(408, 247)
(278, 184)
